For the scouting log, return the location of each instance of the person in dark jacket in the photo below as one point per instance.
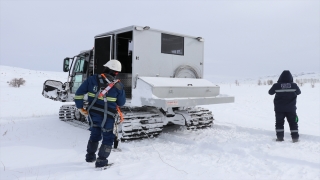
(285, 105)
(102, 110)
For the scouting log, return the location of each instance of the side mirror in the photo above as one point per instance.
(51, 89)
(66, 62)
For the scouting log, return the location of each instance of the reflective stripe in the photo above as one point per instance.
(91, 94)
(78, 96)
(279, 130)
(286, 90)
(111, 99)
(294, 131)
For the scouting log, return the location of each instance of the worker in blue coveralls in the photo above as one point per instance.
(285, 105)
(101, 111)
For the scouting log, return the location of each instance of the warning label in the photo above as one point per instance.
(172, 103)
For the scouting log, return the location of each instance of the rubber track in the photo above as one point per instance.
(200, 118)
(141, 122)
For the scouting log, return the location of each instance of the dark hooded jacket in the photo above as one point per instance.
(286, 93)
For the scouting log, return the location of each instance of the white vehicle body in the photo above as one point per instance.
(162, 73)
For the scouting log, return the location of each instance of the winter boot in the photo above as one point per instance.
(279, 139)
(295, 140)
(280, 135)
(103, 154)
(91, 151)
(294, 135)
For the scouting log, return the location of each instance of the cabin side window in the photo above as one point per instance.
(171, 44)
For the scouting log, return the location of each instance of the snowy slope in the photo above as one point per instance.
(27, 100)
(34, 144)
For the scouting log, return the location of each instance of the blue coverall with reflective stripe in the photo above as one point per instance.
(115, 97)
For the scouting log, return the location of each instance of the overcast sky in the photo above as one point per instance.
(242, 38)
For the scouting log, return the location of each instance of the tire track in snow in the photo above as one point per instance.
(233, 149)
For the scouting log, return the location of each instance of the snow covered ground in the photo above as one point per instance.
(34, 144)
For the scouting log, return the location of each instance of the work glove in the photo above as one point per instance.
(83, 112)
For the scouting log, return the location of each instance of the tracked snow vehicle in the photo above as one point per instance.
(163, 77)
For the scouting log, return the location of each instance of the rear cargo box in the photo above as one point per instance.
(176, 92)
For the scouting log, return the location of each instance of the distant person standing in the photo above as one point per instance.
(285, 105)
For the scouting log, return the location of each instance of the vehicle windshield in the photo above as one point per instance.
(79, 65)
(79, 72)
